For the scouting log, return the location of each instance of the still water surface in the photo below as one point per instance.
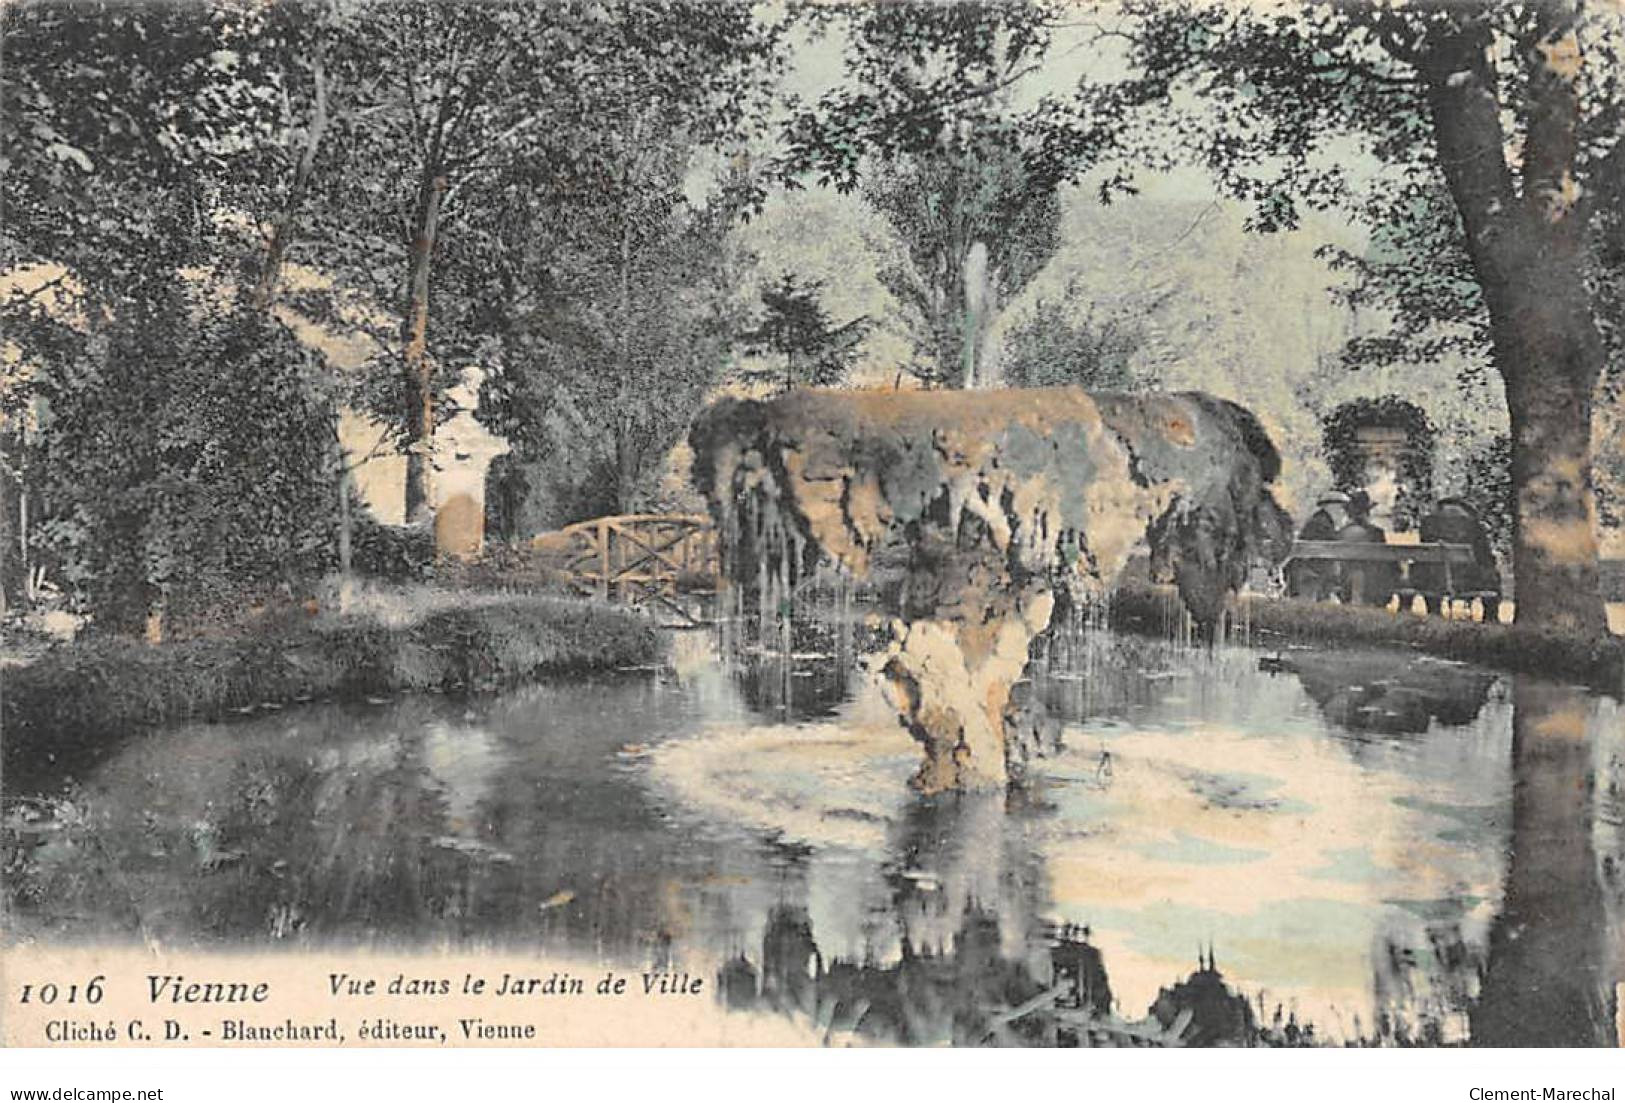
(1371, 845)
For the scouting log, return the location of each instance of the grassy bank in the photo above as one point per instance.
(1598, 662)
(59, 711)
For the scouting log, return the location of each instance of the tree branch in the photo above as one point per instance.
(265, 288)
(16, 296)
(1366, 72)
(1391, 30)
(1470, 146)
(1551, 143)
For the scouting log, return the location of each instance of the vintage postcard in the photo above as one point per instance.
(718, 523)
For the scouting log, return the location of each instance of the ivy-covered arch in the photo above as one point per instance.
(1340, 446)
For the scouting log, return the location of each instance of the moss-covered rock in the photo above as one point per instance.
(998, 502)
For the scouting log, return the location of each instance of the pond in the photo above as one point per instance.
(1312, 846)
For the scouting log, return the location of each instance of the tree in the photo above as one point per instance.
(927, 129)
(975, 229)
(1512, 110)
(171, 165)
(172, 485)
(592, 272)
(180, 459)
(436, 97)
(633, 325)
(455, 106)
(105, 172)
(1062, 342)
(795, 326)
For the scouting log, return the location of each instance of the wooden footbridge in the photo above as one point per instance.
(665, 562)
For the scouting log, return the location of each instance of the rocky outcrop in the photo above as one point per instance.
(997, 502)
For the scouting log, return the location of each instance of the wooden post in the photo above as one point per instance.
(603, 559)
(30, 593)
(346, 579)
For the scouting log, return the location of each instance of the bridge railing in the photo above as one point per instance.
(636, 559)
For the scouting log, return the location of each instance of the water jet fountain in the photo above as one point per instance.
(990, 504)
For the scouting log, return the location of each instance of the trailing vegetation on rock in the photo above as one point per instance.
(1001, 503)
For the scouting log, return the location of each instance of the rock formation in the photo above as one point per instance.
(995, 502)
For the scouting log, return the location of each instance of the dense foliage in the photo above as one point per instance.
(181, 454)
(1481, 143)
(1063, 341)
(205, 201)
(926, 129)
(1341, 446)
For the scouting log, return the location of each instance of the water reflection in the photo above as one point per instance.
(1374, 848)
(972, 992)
(795, 686)
(1554, 958)
(925, 997)
(1392, 693)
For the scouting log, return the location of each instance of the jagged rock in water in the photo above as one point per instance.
(997, 501)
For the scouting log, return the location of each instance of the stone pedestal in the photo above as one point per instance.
(463, 453)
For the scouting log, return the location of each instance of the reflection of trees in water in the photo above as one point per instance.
(374, 852)
(439, 835)
(955, 855)
(315, 851)
(1423, 994)
(1549, 974)
(921, 999)
(1392, 694)
(780, 688)
(957, 956)
(964, 969)
(1554, 959)
(973, 993)
(279, 845)
(974, 964)
(360, 839)
(1546, 978)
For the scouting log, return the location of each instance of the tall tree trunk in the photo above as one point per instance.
(792, 363)
(1527, 251)
(1550, 365)
(346, 526)
(626, 466)
(283, 231)
(16, 572)
(11, 563)
(625, 454)
(419, 391)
